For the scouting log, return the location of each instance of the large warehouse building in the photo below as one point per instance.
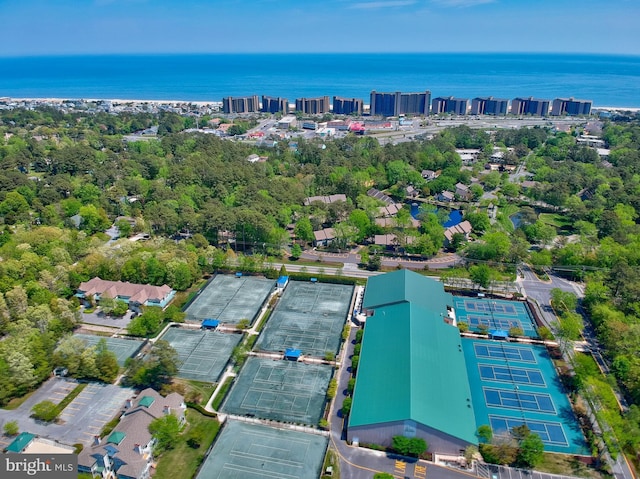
(412, 379)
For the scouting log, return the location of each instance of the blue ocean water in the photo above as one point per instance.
(608, 80)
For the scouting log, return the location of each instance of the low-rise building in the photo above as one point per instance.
(464, 228)
(463, 191)
(324, 237)
(327, 199)
(287, 122)
(127, 452)
(445, 196)
(135, 295)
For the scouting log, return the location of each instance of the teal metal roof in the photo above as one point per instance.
(146, 401)
(20, 442)
(404, 285)
(411, 364)
(116, 437)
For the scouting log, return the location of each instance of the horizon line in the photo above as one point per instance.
(241, 53)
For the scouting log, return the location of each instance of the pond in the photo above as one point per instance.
(455, 216)
(516, 220)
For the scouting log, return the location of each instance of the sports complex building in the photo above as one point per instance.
(417, 377)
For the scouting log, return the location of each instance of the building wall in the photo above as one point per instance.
(570, 106)
(347, 106)
(489, 106)
(529, 106)
(313, 106)
(382, 434)
(275, 105)
(246, 104)
(398, 103)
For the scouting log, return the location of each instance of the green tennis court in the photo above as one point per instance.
(202, 355)
(230, 298)
(121, 347)
(308, 317)
(253, 451)
(280, 390)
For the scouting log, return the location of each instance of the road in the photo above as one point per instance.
(446, 260)
(540, 291)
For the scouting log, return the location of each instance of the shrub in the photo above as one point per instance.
(45, 411)
(11, 428)
(346, 406)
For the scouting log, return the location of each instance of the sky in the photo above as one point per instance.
(71, 27)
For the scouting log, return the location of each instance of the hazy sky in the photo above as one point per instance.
(43, 27)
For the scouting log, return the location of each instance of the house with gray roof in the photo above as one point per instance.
(127, 452)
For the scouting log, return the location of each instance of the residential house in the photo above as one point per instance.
(127, 452)
(379, 195)
(390, 241)
(412, 192)
(464, 228)
(468, 155)
(445, 196)
(324, 237)
(135, 295)
(389, 210)
(327, 200)
(463, 192)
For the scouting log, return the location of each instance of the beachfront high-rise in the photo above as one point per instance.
(570, 106)
(530, 106)
(313, 106)
(272, 104)
(245, 104)
(398, 103)
(489, 106)
(449, 104)
(347, 106)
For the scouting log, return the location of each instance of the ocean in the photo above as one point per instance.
(607, 80)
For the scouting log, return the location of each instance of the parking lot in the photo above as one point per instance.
(83, 418)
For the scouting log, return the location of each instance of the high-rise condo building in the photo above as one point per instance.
(530, 106)
(313, 106)
(245, 104)
(570, 106)
(457, 106)
(274, 105)
(489, 106)
(347, 106)
(398, 103)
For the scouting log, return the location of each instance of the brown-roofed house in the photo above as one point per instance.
(135, 295)
(324, 237)
(463, 228)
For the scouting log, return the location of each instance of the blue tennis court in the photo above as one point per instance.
(550, 432)
(494, 314)
(516, 384)
(516, 399)
(491, 372)
(492, 350)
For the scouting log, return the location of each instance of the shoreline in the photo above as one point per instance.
(124, 101)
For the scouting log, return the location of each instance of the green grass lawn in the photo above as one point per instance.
(555, 220)
(566, 465)
(204, 389)
(15, 403)
(184, 458)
